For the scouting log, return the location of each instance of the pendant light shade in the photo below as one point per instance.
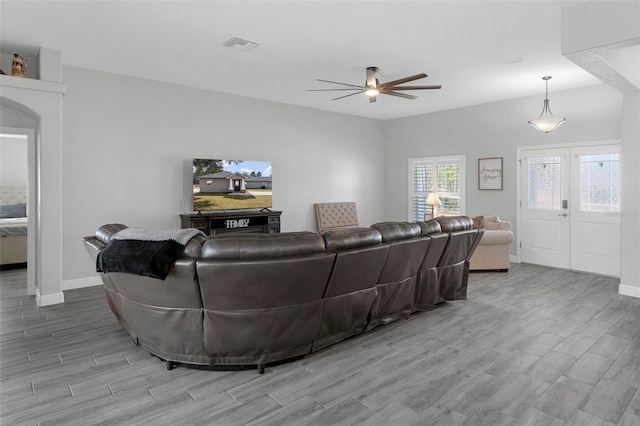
(546, 122)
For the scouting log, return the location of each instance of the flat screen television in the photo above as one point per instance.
(231, 184)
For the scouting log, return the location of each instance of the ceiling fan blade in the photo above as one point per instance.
(415, 87)
(400, 95)
(337, 82)
(404, 80)
(333, 90)
(346, 96)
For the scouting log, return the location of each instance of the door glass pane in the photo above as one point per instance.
(544, 183)
(599, 183)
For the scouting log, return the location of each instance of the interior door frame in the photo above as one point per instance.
(519, 149)
(33, 202)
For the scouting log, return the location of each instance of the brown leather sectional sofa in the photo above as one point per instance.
(252, 299)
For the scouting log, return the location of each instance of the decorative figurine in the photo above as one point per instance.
(18, 66)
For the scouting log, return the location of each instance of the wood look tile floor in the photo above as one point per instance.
(534, 346)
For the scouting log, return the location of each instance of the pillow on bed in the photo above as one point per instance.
(13, 210)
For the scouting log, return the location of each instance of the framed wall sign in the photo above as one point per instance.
(490, 173)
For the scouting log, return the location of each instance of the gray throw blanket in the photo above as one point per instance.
(146, 252)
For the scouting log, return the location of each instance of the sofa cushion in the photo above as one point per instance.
(430, 227)
(347, 239)
(491, 223)
(260, 246)
(454, 223)
(478, 222)
(393, 231)
(194, 247)
(494, 223)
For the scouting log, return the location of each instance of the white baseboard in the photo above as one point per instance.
(513, 259)
(56, 298)
(81, 283)
(629, 290)
(49, 299)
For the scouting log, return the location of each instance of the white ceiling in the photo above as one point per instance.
(463, 45)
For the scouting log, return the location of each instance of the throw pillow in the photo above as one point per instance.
(13, 210)
(478, 222)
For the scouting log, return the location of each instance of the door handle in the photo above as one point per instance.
(563, 214)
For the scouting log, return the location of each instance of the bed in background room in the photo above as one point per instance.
(13, 224)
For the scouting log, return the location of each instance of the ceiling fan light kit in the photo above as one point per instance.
(546, 122)
(372, 86)
(372, 91)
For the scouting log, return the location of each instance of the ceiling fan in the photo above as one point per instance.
(372, 87)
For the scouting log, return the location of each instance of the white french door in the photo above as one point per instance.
(545, 213)
(595, 215)
(571, 208)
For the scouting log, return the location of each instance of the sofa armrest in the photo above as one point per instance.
(106, 232)
(496, 237)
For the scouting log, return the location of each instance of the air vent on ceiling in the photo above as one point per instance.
(240, 43)
(512, 60)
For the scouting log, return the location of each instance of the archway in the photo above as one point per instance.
(40, 103)
(28, 179)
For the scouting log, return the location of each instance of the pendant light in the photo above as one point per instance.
(546, 122)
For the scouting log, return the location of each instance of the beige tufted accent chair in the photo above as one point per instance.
(331, 216)
(494, 250)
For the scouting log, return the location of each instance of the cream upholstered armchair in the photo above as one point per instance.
(494, 250)
(332, 216)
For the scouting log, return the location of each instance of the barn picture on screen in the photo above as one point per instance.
(231, 184)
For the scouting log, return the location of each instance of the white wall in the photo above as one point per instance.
(9, 117)
(125, 142)
(589, 25)
(13, 161)
(493, 130)
(630, 241)
(612, 54)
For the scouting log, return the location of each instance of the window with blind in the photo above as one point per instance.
(444, 175)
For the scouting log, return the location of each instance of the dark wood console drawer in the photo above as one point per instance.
(242, 221)
(249, 230)
(200, 225)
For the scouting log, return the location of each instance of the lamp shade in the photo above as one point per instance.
(433, 199)
(547, 121)
(372, 91)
